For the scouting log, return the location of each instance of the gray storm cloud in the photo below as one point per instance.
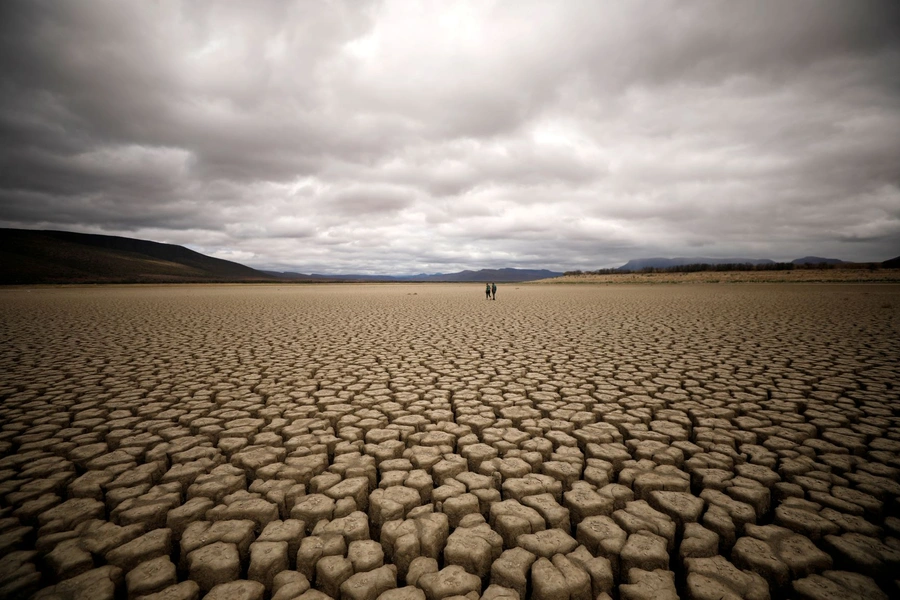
(397, 137)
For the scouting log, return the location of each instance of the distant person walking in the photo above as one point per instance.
(493, 291)
(487, 291)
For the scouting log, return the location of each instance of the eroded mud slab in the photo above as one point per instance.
(418, 442)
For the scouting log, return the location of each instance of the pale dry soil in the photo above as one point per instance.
(419, 442)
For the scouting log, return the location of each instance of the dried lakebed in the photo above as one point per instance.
(394, 442)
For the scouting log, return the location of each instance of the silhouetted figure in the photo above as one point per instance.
(493, 291)
(487, 291)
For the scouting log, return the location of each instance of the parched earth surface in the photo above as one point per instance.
(418, 442)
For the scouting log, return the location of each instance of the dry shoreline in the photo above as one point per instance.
(792, 276)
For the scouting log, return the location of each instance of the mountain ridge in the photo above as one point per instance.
(29, 256)
(505, 275)
(660, 262)
(817, 260)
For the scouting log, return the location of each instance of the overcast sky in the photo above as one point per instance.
(406, 137)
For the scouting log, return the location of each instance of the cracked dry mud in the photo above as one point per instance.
(418, 442)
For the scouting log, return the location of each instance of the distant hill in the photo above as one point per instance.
(893, 263)
(816, 260)
(484, 275)
(663, 263)
(31, 256)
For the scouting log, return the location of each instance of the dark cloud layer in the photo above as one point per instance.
(406, 137)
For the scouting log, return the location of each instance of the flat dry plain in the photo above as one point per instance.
(402, 442)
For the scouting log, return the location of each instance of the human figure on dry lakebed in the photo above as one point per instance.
(493, 291)
(487, 291)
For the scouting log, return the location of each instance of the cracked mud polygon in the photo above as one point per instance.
(419, 442)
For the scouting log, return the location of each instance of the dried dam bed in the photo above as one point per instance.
(394, 442)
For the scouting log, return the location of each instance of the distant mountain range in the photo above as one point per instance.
(483, 275)
(32, 257)
(50, 257)
(681, 261)
(505, 275)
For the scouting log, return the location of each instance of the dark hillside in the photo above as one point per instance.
(30, 257)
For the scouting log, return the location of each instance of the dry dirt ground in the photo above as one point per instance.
(402, 442)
